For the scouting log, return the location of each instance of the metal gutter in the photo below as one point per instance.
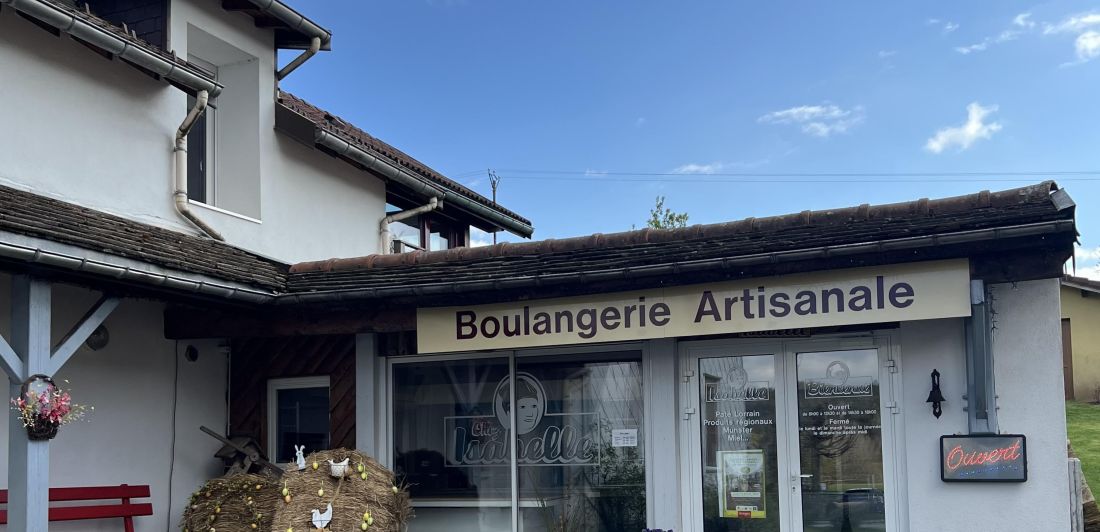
(123, 269)
(418, 184)
(294, 20)
(74, 25)
(445, 288)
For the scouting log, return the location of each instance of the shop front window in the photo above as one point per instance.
(579, 461)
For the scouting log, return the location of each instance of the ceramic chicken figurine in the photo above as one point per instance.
(320, 520)
(300, 450)
(339, 469)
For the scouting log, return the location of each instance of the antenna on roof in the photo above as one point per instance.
(494, 181)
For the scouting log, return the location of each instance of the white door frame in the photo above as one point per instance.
(787, 426)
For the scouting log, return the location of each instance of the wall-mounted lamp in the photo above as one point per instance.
(935, 396)
(98, 339)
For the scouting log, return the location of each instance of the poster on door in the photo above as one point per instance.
(741, 484)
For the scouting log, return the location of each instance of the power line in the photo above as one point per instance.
(710, 179)
(602, 173)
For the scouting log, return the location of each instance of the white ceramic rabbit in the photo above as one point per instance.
(301, 451)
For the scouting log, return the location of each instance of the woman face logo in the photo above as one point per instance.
(530, 403)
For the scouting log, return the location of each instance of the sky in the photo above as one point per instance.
(729, 109)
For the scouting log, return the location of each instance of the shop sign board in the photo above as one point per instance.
(983, 458)
(899, 292)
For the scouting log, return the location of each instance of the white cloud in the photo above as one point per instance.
(1003, 37)
(1088, 46)
(1086, 255)
(640, 121)
(479, 238)
(591, 172)
(946, 26)
(1085, 263)
(965, 135)
(883, 54)
(1021, 24)
(1074, 24)
(694, 168)
(817, 120)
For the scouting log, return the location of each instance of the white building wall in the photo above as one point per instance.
(133, 436)
(1028, 373)
(99, 133)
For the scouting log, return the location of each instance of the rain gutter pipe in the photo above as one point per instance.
(294, 20)
(389, 170)
(384, 225)
(106, 40)
(136, 272)
(314, 47)
(180, 152)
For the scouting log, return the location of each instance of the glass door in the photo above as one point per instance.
(737, 451)
(839, 441)
(785, 437)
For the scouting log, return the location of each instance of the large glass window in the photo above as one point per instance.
(581, 452)
(579, 439)
(451, 446)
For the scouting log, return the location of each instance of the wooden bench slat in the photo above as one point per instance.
(91, 493)
(77, 513)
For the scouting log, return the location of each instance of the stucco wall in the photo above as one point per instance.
(1084, 324)
(131, 383)
(99, 133)
(1028, 373)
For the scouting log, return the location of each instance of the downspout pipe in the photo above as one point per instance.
(314, 47)
(384, 225)
(74, 25)
(388, 170)
(180, 152)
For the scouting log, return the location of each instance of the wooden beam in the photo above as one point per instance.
(10, 361)
(186, 323)
(83, 329)
(29, 461)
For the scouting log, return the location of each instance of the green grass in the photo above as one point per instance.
(1083, 424)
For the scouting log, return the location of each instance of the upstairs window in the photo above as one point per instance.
(201, 144)
(223, 155)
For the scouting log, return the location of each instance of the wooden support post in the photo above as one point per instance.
(29, 461)
(83, 329)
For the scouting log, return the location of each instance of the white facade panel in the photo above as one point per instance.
(86, 130)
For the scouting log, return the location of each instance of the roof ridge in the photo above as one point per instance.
(922, 207)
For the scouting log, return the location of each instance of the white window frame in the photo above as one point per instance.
(211, 134)
(291, 383)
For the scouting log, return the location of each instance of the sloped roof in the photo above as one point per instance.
(731, 245)
(350, 133)
(1081, 283)
(38, 216)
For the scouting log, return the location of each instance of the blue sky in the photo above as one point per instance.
(563, 99)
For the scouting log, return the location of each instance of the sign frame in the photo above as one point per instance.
(1015, 480)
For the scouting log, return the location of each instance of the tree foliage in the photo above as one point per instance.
(661, 217)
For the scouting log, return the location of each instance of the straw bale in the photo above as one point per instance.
(238, 503)
(350, 496)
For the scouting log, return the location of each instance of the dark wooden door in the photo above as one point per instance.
(1067, 358)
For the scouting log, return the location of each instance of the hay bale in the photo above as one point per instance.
(238, 503)
(351, 496)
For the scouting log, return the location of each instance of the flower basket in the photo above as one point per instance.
(44, 408)
(41, 431)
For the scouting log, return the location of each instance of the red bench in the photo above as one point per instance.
(126, 510)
